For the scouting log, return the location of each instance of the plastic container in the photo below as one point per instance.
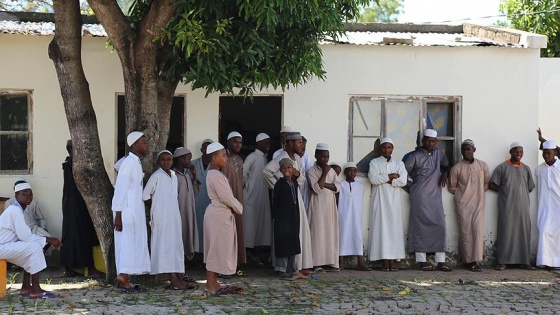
(3, 277)
(98, 261)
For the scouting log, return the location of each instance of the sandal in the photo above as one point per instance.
(187, 278)
(363, 268)
(426, 267)
(319, 270)
(241, 273)
(44, 295)
(444, 268)
(307, 272)
(224, 276)
(501, 267)
(475, 268)
(384, 269)
(527, 267)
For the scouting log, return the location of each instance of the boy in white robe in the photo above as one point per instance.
(350, 205)
(548, 212)
(131, 235)
(21, 247)
(165, 222)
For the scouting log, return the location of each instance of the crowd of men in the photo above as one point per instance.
(301, 216)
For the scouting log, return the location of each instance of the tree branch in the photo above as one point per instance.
(114, 22)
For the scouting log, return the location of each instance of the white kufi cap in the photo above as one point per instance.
(430, 133)
(550, 144)
(386, 140)
(322, 147)
(262, 136)
(286, 129)
(22, 186)
(164, 151)
(234, 134)
(515, 144)
(351, 164)
(213, 147)
(133, 137)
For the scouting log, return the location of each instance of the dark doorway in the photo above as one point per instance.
(251, 116)
(176, 125)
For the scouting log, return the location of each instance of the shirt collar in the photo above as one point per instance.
(16, 203)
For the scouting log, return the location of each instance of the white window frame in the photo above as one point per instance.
(29, 132)
(424, 101)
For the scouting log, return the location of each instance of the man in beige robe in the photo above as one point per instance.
(186, 183)
(271, 174)
(322, 212)
(468, 181)
(233, 170)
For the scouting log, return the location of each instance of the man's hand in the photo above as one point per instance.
(443, 180)
(118, 222)
(326, 168)
(54, 242)
(393, 176)
(541, 139)
(192, 169)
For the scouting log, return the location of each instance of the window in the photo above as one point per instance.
(176, 125)
(15, 132)
(402, 118)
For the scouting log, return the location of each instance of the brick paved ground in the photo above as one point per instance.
(347, 292)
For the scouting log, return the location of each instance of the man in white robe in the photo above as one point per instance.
(283, 133)
(387, 176)
(34, 217)
(548, 213)
(131, 237)
(19, 246)
(257, 220)
(322, 212)
(271, 174)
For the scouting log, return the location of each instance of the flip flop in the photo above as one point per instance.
(287, 278)
(230, 289)
(139, 288)
(500, 267)
(187, 278)
(24, 294)
(427, 268)
(44, 295)
(319, 270)
(174, 288)
(444, 268)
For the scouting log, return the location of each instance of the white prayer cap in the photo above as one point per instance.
(293, 135)
(549, 144)
(234, 134)
(133, 137)
(469, 142)
(164, 151)
(334, 163)
(515, 144)
(180, 151)
(386, 140)
(207, 140)
(285, 161)
(322, 147)
(262, 136)
(22, 186)
(351, 164)
(431, 133)
(213, 147)
(285, 129)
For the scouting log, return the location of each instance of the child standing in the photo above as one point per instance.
(350, 217)
(220, 233)
(165, 222)
(286, 221)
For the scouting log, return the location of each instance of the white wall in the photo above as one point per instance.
(499, 88)
(549, 98)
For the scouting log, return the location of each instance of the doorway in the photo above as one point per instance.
(249, 117)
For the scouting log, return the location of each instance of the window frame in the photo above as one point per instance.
(29, 94)
(424, 101)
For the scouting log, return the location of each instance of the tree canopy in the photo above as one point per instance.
(542, 17)
(381, 11)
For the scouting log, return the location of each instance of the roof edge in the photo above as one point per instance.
(403, 28)
(40, 17)
(506, 35)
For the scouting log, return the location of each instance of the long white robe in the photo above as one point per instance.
(271, 174)
(131, 244)
(17, 244)
(548, 214)
(350, 202)
(33, 216)
(257, 220)
(323, 218)
(165, 221)
(386, 237)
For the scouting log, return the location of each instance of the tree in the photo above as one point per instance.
(381, 11)
(542, 17)
(226, 46)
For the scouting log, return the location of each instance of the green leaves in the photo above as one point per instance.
(540, 17)
(249, 45)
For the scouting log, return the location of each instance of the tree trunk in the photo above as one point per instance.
(89, 170)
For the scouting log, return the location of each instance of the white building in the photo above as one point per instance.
(467, 81)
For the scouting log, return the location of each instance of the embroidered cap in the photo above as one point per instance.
(549, 144)
(285, 161)
(322, 147)
(180, 151)
(350, 165)
(386, 140)
(469, 142)
(430, 133)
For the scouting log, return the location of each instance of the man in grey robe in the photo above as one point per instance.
(201, 198)
(427, 166)
(513, 181)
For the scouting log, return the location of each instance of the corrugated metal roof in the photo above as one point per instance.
(45, 28)
(415, 39)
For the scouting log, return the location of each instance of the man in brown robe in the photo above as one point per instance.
(468, 181)
(233, 170)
